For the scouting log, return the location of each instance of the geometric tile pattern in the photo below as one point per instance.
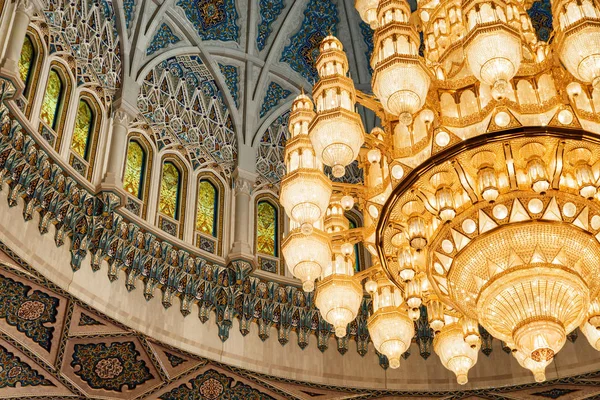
(29, 311)
(320, 19)
(129, 10)
(84, 41)
(269, 162)
(212, 385)
(13, 371)
(181, 102)
(541, 18)
(110, 367)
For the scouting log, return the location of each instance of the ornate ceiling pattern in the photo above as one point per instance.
(82, 353)
(85, 29)
(181, 101)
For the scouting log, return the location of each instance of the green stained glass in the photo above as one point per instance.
(266, 229)
(134, 169)
(169, 191)
(52, 99)
(83, 129)
(206, 212)
(26, 60)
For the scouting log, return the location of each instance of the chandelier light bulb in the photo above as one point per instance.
(488, 184)
(445, 203)
(371, 286)
(536, 169)
(400, 79)
(414, 314)
(347, 202)
(347, 249)
(471, 332)
(413, 294)
(435, 315)
(374, 156)
(416, 232)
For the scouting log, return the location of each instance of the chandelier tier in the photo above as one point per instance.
(480, 199)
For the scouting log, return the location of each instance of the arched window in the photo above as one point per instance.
(27, 62)
(356, 261)
(52, 99)
(170, 187)
(133, 179)
(207, 208)
(84, 124)
(266, 228)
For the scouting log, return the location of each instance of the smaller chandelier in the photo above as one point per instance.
(492, 44)
(400, 79)
(307, 255)
(454, 353)
(390, 327)
(303, 170)
(338, 294)
(367, 9)
(336, 133)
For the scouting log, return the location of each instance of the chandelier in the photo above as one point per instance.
(480, 199)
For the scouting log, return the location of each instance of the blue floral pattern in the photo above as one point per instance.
(275, 93)
(163, 37)
(213, 19)
(320, 19)
(231, 75)
(269, 12)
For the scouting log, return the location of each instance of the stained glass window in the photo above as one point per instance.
(206, 211)
(52, 99)
(356, 261)
(133, 180)
(169, 190)
(83, 129)
(266, 228)
(26, 60)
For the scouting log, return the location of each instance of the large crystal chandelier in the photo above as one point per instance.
(480, 199)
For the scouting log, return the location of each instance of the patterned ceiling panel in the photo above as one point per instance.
(213, 19)
(232, 79)
(270, 163)
(320, 19)
(163, 37)
(269, 12)
(87, 28)
(181, 102)
(275, 94)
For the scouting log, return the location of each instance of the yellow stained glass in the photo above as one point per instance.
(169, 191)
(134, 169)
(83, 129)
(52, 99)
(206, 211)
(266, 229)
(26, 60)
